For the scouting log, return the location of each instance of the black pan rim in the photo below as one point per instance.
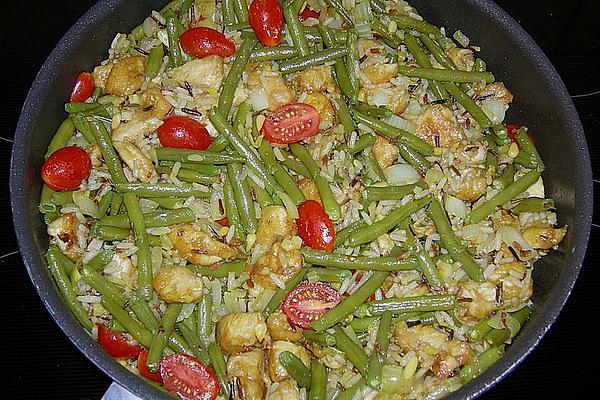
(82, 340)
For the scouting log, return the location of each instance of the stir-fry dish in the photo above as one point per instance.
(303, 200)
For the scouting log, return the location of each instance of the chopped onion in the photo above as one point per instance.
(401, 123)
(150, 26)
(362, 12)
(380, 98)
(258, 99)
(401, 174)
(363, 30)
(455, 207)
(510, 235)
(289, 205)
(495, 110)
(85, 204)
(461, 38)
(393, 380)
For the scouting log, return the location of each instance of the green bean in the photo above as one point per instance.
(83, 127)
(281, 293)
(396, 134)
(100, 260)
(507, 177)
(343, 79)
(154, 219)
(154, 61)
(194, 342)
(348, 305)
(112, 161)
(160, 190)
(218, 363)
(195, 156)
(452, 243)
(295, 368)
(144, 261)
(377, 6)
(437, 52)
(104, 203)
(317, 58)
(483, 362)
(436, 302)
(74, 107)
(285, 180)
(243, 198)
(380, 349)
(219, 144)
(503, 197)
(345, 117)
(96, 94)
(324, 339)
(533, 204)
(104, 286)
(497, 337)
(353, 65)
(521, 316)
(382, 30)
(406, 22)
(420, 163)
(133, 327)
(205, 317)
(353, 352)
(242, 148)
(114, 325)
(330, 205)
(528, 148)
(422, 60)
(109, 233)
(273, 53)
(318, 381)
(373, 231)
(376, 193)
(61, 137)
(373, 170)
(187, 175)
(342, 261)
(184, 7)
(260, 195)
(202, 169)
(235, 74)
(228, 12)
(525, 160)
(115, 204)
(175, 55)
(65, 287)
(295, 29)
(491, 163)
(239, 121)
(328, 275)
(477, 113)
(477, 332)
(364, 323)
(222, 270)
(231, 210)
(241, 10)
(159, 341)
(350, 393)
(373, 111)
(342, 235)
(425, 262)
(445, 75)
(339, 8)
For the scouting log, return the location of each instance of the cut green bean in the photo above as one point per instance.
(205, 317)
(353, 352)
(350, 393)
(219, 144)
(376, 193)
(353, 65)
(415, 304)
(373, 111)
(343, 79)
(380, 349)
(476, 112)
(104, 203)
(445, 75)
(373, 170)
(324, 338)
(341, 261)
(318, 381)
(235, 74)
(159, 341)
(420, 163)
(243, 198)
(102, 137)
(339, 8)
(154, 219)
(154, 61)
(295, 368)
(406, 22)
(422, 60)
(311, 60)
(202, 169)
(194, 342)
(61, 137)
(82, 126)
(260, 195)
(382, 30)
(350, 303)
(175, 56)
(109, 233)
(195, 156)
(342, 235)
(295, 29)
(231, 210)
(160, 190)
(278, 296)
(241, 10)
(218, 363)
(533, 204)
(477, 332)
(222, 270)
(507, 177)
(483, 362)
(289, 185)
(228, 12)
(133, 327)
(144, 260)
(104, 286)
(187, 175)
(116, 203)
(497, 337)
(503, 197)
(100, 260)
(328, 275)
(273, 53)
(528, 148)
(347, 121)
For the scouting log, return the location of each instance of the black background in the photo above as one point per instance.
(39, 362)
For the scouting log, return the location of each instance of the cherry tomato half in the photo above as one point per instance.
(512, 130)
(183, 133)
(117, 344)
(314, 226)
(266, 20)
(307, 302)
(202, 42)
(291, 123)
(143, 369)
(66, 168)
(189, 378)
(84, 87)
(308, 13)
(223, 221)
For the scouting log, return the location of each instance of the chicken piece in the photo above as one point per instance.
(100, 74)
(198, 247)
(64, 230)
(141, 166)
(544, 236)
(517, 285)
(285, 390)
(458, 354)
(462, 58)
(204, 73)
(397, 97)
(438, 127)
(93, 151)
(499, 91)
(237, 332)
(276, 371)
(470, 185)
(247, 370)
(140, 124)
(280, 329)
(369, 48)
(385, 153)
(155, 104)
(178, 285)
(126, 76)
(285, 264)
(316, 79)
(381, 73)
(309, 189)
(323, 106)
(261, 77)
(484, 301)
(275, 224)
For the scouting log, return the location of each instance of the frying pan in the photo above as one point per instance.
(541, 102)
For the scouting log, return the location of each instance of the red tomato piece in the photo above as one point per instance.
(143, 369)
(308, 13)
(307, 302)
(117, 344)
(84, 87)
(314, 226)
(201, 42)
(266, 20)
(189, 378)
(66, 168)
(291, 123)
(512, 130)
(223, 221)
(183, 133)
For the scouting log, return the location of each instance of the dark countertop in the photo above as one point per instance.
(41, 363)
